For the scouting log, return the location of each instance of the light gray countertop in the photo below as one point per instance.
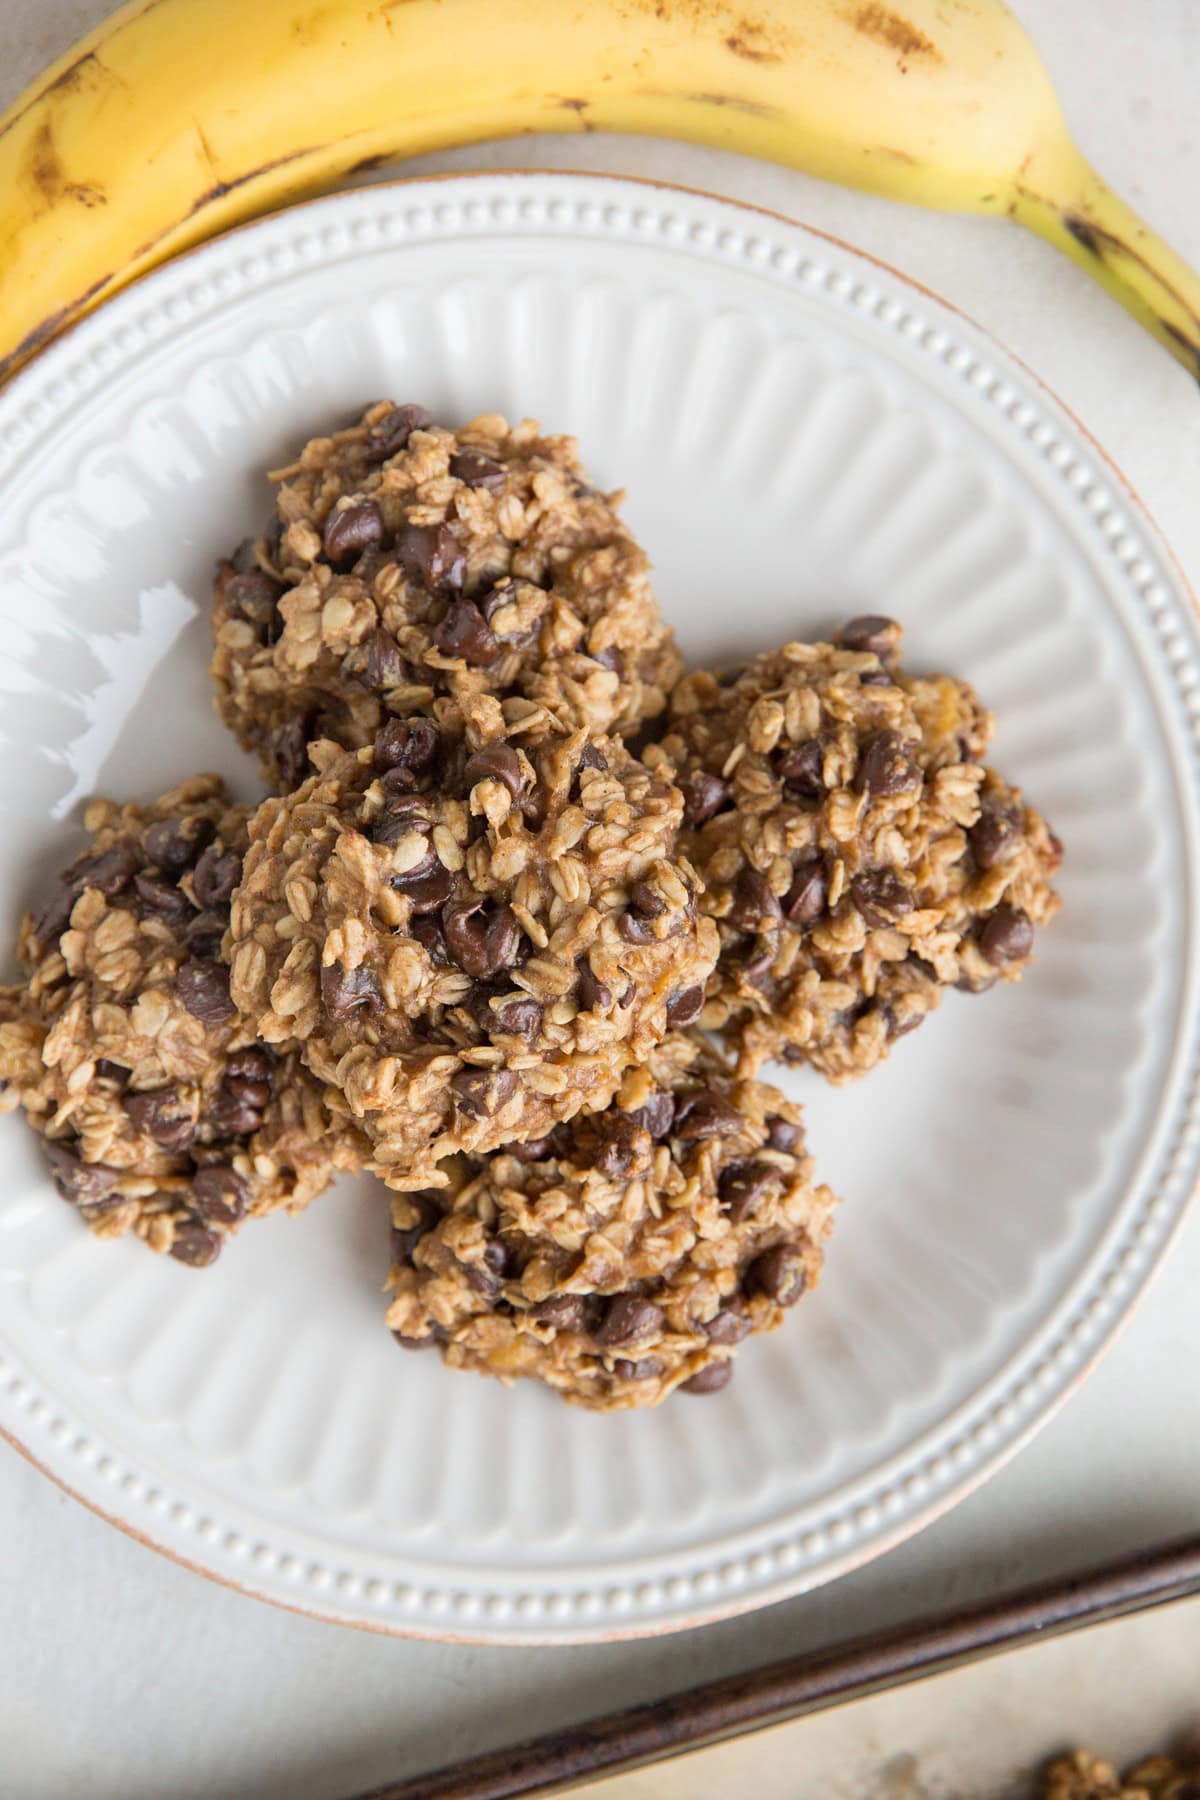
(122, 1674)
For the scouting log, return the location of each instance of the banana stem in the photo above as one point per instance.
(1061, 197)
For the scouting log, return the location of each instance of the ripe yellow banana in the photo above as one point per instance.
(178, 118)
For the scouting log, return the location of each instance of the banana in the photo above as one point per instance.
(178, 118)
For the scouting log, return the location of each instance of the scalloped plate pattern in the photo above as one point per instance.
(802, 435)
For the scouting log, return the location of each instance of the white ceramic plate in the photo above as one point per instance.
(803, 435)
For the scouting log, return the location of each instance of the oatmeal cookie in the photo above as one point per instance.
(161, 1112)
(407, 562)
(630, 1251)
(469, 940)
(1082, 1776)
(856, 855)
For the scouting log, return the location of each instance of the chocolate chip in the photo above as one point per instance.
(875, 678)
(565, 1312)
(481, 941)
(645, 900)
(496, 762)
(618, 1152)
(291, 749)
(703, 796)
(407, 744)
(254, 597)
(656, 1114)
(218, 1195)
(710, 1379)
(800, 770)
(778, 1273)
(685, 1007)
(806, 898)
(705, 1114)
(82, 1182)
(753, 907)
(465, 633)
(591, 995)
(900, 1024)
(533, 1150)
(426, 890)
(641, 1370)
(245, 558)
(729, 1326)
(229, 1117)
(108, 870)
(112, 1071)
(203, 987)
(871, 633)
(345, 992)
(405, 1238)
(628, 1319)
(389, 435)
(783, 1135)
(349, 530)
(880, 896)
(162, 1115)
(404, 815)
(589, 758)
(990, 838)
(204, 933)
(757, 969)
(431, 555)
(55, 916)
(216, 875)
(250, 1073)
(503, 594)
(428, 933)
(635, 928)
(611, 658)
(162, 899)
(174, 844)
(428, 1342)
(520, 1018)
(743, 1185)
(1007, 936)
(501, 1258)
(884, 766)
(401, 816)
(385, 667)
(477, 470)
(482, 1093)
(195, 1246)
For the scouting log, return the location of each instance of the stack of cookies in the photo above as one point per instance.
(526, 912)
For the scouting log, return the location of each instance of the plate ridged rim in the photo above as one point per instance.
(553, 1605)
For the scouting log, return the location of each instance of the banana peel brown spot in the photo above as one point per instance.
(49, 179)
(755, 43)
(754, 40)
(894, 32)
(754, 109)
(50, 327)
(219, 189)
(579, 108)
(366, 164)
(1189, 347)
(87, 69)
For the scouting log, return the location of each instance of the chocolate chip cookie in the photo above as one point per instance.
(469, 939)
(407, 562)
(160, 1110)
(1082, 1776)
(857, 856)
(626, 1254)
